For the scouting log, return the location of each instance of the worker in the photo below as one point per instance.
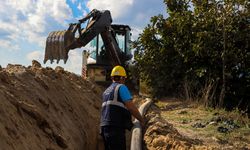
(117, 108)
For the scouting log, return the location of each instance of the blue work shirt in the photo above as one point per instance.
(124, 93)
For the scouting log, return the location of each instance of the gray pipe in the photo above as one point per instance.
(136, 139)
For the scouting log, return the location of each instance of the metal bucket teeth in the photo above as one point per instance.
(61, 46)
(53, 44)
(48, 48)
(57, 46)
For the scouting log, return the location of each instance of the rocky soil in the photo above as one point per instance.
(46, 109)
(166, 130)
(161, 135)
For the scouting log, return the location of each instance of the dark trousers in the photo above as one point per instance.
(114, 138)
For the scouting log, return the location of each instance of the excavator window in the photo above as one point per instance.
(97, 49)
(92, 50)
(121, 41)
(128, 42)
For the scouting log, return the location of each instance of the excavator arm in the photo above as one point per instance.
(59, 43)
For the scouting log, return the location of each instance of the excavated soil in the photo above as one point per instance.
(46, 109)
(161, 135)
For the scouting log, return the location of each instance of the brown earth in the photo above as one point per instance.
(161, 135)
(165, 131)
(46, 109)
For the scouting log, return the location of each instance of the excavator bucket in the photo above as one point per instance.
(57, 46)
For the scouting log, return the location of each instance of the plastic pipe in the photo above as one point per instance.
(136, 139)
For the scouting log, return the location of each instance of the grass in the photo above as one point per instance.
(183, 115)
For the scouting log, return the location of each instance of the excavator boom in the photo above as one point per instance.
(59, 43)
(97, 29)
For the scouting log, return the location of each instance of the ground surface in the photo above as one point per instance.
(46, 109)
(174, 124)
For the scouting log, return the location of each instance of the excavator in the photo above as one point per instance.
(109, 44)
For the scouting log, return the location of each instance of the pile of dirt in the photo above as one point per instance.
(161, 135)
(178, 125)
(42, 108)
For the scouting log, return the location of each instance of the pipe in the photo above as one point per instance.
(84, 64)
(136, 139)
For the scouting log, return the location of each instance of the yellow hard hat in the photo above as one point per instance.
(118, 71)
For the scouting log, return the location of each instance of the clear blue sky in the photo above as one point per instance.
(25, 24)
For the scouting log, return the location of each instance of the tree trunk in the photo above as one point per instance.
(223, 87)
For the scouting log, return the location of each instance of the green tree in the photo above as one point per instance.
(200, 42)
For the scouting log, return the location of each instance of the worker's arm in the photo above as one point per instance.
(134, 111)
(127, 99)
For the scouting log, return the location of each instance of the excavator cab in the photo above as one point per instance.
(109, 44)
(98, 63)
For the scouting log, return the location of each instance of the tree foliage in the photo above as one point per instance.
(200, 43)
